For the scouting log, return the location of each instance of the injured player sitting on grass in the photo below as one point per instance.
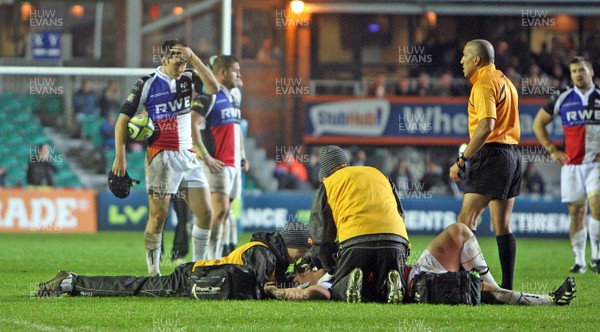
(455, 248)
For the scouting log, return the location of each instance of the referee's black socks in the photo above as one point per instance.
(507, 250)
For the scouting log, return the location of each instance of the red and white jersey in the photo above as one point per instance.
(580, 115)
(167, 102)
(222, 134)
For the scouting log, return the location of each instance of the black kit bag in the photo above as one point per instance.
(224, 282)
(461, 287)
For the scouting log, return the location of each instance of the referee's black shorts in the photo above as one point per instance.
(495, 171)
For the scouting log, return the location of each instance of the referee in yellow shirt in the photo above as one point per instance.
(491, 163)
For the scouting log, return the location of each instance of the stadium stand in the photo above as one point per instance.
(21, 133)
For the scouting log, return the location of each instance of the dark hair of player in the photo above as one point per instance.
(579, 59)
(165, 48)
(223, 62)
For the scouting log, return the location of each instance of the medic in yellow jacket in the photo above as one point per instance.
(353, 204)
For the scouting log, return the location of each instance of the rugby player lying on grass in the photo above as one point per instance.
(455, 248)
(269, 254)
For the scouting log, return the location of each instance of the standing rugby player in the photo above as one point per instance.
(221, 116)
(579, 109)
(171, 165)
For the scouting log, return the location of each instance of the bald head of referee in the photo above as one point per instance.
(476, 54)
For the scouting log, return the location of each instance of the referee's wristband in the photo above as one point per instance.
(464, 159)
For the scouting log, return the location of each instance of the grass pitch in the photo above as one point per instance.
(26, 259)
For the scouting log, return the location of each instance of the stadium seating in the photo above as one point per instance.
(21, 133)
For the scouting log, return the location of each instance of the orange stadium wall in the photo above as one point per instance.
(48, 211)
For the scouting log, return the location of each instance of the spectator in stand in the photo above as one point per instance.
(377, 89)
(248, 50)
(536, 82)
(445, 87)
(533, 180)
(268, 51)
(40, 171)
(402, 177)
(290, 173)
(544, 59)
(107, 130)
(424, 85)
(558, 72)
(404, 87)
(535, 72)
(502, 55)
(514, 77)
(359, 156)
(2, 175)
(85, 101)
(111, 99)
(434, 180)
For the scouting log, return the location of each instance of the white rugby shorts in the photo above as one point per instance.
(426, 263)
(169, 170)
(577, 182)
(228, 181)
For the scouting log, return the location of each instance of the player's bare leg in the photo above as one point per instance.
(594, 230)
(457, 247)
(221, 207)
(158, 210)
(198, 199)
(577, 234)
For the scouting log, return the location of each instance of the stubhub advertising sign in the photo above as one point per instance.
(367, 117)
(409, 120)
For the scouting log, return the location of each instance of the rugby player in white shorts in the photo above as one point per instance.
(171, 165)
(220, 115)
(579, 110)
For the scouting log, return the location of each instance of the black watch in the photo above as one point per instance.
(462, 156)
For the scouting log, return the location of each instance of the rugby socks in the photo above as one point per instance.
(200, 238)
(215, 245)
(510, 297)
(66, 285)
(578, 242)
(233, 235)
(471, 257)
(507, 251)
(153, 250)
(594, 233)
(225, 237)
